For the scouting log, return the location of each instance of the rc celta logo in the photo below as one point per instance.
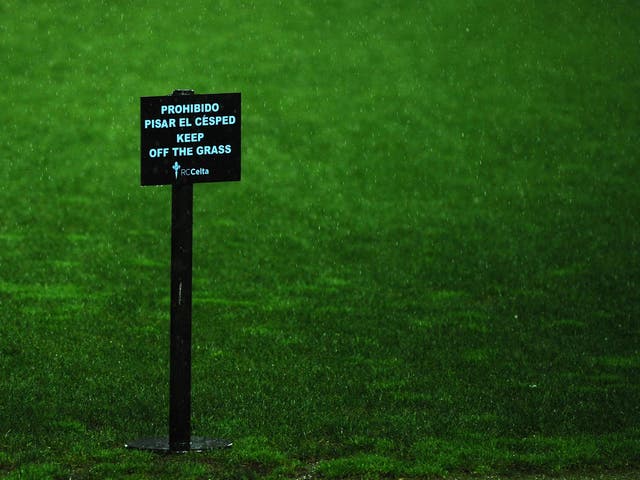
(188, 172)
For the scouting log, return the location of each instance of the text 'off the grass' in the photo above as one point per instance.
(190, 139)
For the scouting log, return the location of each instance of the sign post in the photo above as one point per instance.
(180, 347)
(186, 139)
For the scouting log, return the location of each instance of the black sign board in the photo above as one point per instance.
(187, 139)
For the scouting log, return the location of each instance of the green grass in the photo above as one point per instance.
(431, 265)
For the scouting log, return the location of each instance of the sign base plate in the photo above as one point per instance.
(161, 444)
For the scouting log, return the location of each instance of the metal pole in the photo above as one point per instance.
(180, 348)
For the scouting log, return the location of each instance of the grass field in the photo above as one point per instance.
(431, 266)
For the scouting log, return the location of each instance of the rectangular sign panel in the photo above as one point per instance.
(190, 139)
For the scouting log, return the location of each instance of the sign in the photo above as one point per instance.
(186, 139)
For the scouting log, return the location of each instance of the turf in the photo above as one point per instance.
(430, 267)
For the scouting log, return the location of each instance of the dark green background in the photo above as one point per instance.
(430, 266)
